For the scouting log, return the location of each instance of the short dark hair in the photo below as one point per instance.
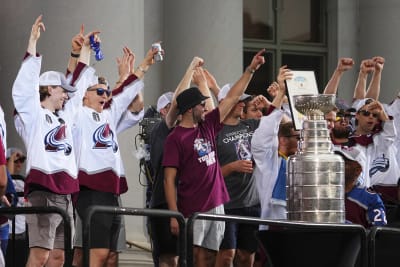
(285, 128)
(100, 80)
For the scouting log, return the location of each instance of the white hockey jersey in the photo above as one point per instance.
(95, 135)
(48, 138)
(264, 146)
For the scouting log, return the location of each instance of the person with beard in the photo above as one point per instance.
(191, 157)
(341, 129)
(165, 244)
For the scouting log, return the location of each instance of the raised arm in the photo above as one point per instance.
(146, 63)
(284, 74)
(76, 46)
(37, 27)
(374, 87)
(86, 50)
(366, 67)
(183, 84)
(344, 64)
(199, 79)
(125, 65)
(212, 83)
(240, 86)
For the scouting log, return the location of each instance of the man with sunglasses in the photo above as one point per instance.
(100, 169)
(374, 135)
(340, 126)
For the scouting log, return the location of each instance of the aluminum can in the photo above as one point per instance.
(157, 57)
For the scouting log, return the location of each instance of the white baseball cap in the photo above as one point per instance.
(55, 78)
(12, 150)
(350, 153)
(224, 91)
(164, 100)
(359, 103)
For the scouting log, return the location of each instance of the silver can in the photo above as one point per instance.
(157, 57)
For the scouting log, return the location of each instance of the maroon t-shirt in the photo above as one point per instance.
(192, 151)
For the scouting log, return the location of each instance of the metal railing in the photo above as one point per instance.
(48, 210)
(136, 212)
(383, 245)
(370, 244)
(293, 225)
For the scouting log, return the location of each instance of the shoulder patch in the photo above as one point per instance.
(48, 119)
(95, 116)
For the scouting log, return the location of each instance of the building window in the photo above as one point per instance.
(293, 33)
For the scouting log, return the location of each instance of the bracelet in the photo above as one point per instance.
(141, 69)
(250, 70)
(75, 55)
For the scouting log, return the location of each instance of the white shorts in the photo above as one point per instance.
(209, 234)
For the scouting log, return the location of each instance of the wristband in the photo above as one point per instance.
(75, 55)
(250, 70)
(141, 69)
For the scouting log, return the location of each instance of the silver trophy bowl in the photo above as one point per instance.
(314, 105)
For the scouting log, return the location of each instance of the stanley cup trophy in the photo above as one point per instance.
(315, 175)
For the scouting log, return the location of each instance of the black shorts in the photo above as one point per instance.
(160, 232)
(105, 227)
(241, 235)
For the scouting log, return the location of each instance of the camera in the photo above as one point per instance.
(150, 119)
(157, 57)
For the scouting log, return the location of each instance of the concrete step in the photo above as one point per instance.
(136, 255)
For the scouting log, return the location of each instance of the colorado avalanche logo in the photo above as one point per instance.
(55, 141)
(380, 164)
(103, 137)
(202, 146)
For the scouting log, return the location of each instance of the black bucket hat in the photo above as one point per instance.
(189, 98)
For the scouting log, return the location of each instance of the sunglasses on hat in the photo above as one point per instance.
(101, 91)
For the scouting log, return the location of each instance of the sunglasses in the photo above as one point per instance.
(101, 91)
(21, 160)
(366, 113)
(344, 117)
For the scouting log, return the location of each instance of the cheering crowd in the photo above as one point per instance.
(215, 150)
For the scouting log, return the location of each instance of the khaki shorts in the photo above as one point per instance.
(47, 230)
(207, 233)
